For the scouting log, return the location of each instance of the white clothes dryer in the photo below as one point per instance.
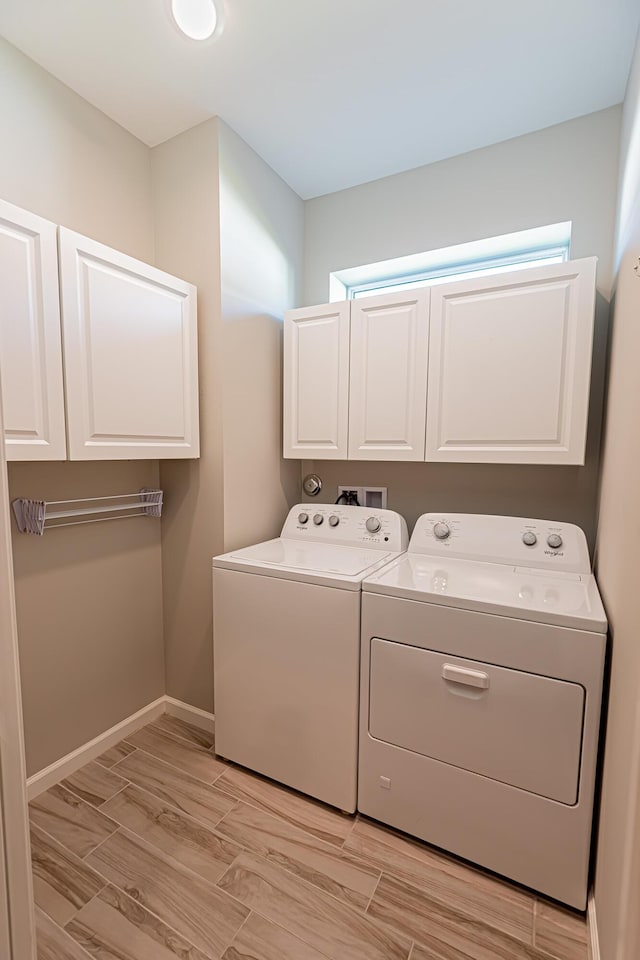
(286, 617)
(483, 652)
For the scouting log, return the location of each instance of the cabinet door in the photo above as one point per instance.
(130, 356)
(30, 338)
(388, 385)
(316, 382)
(510, 365)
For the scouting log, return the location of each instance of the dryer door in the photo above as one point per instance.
(519, 728)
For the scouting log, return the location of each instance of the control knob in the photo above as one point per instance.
(303, 517)
(318, 519)
(441, 531)
(373, 524)
(333, 520)
(554, 540)
(529, 538)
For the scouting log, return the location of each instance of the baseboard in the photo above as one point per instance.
(592, 928)
(194, 715)
(64, 767)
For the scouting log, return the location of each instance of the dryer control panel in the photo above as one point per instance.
(518, 541)
(348, 526)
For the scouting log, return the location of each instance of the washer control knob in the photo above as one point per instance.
(318, 519)
(373, 524)
(303, 517)
(333, 520)
(441, 531)
(529, 538)
(554, 540)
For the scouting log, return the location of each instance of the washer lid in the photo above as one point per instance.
(564, 599)
(312, 561)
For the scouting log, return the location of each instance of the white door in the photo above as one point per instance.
(130, 355)
(316, 382)
(510, 366)
(388, 385)
(17, 939)
(30, 337)
(493, 721)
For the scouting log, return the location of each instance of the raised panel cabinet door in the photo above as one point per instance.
(316, 382)
(510, 366)
(30, 337)
(130, 355)
(388, 383)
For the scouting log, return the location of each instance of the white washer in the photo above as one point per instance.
(286, 619)
(483, 651)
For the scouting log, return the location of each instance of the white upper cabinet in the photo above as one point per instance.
(388, 376)
(130, 355)
(510, 365)
(490, 370)
(316, 382)
(30, 341)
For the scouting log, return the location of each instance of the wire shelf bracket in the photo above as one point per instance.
(36, 516)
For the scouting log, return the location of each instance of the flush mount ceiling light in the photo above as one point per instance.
(198, 19)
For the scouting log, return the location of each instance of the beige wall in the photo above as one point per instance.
(566, 172)
(226, 222)
(88, 598)
(261, 233)
(68, 162)
(185, 181)
(617, 888)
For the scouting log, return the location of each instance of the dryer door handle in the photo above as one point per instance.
(471, 678)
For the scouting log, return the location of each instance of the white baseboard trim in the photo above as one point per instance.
(194, 715)
(67, 765)
(592, 928)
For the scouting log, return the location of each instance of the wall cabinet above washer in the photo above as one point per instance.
(510, 366)
(316, 381)
(130, 388)
(388, 376)
(491, 370)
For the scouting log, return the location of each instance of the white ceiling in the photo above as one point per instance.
(337, 92)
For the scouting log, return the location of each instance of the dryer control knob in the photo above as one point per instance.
(303, 517)
(318, 519)
(441, 531)
(529, 538)
(333, 520)
(554, 540)
(373, 524)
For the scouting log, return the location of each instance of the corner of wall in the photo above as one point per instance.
(187, 235)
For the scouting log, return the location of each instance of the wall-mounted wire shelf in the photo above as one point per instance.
(36, 516)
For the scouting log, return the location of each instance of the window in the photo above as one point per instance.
(512, 251)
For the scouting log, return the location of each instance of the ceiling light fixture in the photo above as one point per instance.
(197, 19)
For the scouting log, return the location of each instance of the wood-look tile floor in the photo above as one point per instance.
(159, 850)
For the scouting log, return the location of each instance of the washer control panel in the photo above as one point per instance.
(510, 540)
(348, 526)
